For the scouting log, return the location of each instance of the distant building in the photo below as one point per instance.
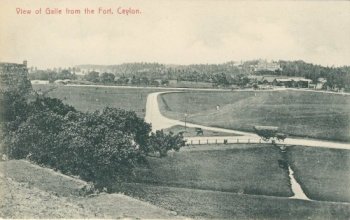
(320, 83)
(39, 82)
(62, 81)
(281, 81)
(263, 65)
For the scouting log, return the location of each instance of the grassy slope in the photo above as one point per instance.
(323, 173)
(223, 205)
(42, 178)
(22, 200)
(250, 170)
(30, 191)
(96, 98)
(209, 183)
(317, 115)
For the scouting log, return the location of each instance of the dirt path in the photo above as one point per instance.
(158, 121)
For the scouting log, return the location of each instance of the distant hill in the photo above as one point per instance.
(337, 77)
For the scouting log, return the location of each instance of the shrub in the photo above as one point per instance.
(128, 122)
(42, 103)
(36, 138)
(101, 147)
(95, 151)
(161, 142)
(13, 106)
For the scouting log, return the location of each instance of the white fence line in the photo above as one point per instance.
(200, 141)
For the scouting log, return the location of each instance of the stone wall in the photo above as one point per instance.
(14, 77)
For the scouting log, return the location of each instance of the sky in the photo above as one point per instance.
(175, 32)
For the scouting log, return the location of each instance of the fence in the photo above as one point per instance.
(196, 141)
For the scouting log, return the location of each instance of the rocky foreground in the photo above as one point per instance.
(30, 191)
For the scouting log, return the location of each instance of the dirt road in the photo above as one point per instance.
(158, 121)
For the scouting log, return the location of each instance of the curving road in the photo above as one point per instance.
(158, 121)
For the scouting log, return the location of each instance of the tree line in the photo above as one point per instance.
(155, 74)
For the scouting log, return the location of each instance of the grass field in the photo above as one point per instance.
(249, 169)
(205, 204)
(96, 98)
(324, 174)
(298, 113)
(242, 182)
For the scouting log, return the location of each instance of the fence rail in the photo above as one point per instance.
(197, 141)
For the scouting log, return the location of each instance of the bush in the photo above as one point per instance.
(101, 147)
(36, 138)
(161, 143)
(42, 103)
(128, 122)
(13, 106)
(95, 151)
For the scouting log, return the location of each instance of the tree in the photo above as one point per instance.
(154, 83)
(266, 132)
(107, 77)
(241, 80)
(122, 80)
(92, 77)
(42, 103)
(97, 151)
(65, 74)
(135, 80)
(269, 132)
(144, 81)
(161, 142)
(128, 122)
(36, 138)
(165, 82)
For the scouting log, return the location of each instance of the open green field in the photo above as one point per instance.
(96, 98)
(245, 181)
(206, 204)
(324, 174)
(297, 113)
(249, 169)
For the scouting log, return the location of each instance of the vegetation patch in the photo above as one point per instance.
(323, 173)
(101, 146)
